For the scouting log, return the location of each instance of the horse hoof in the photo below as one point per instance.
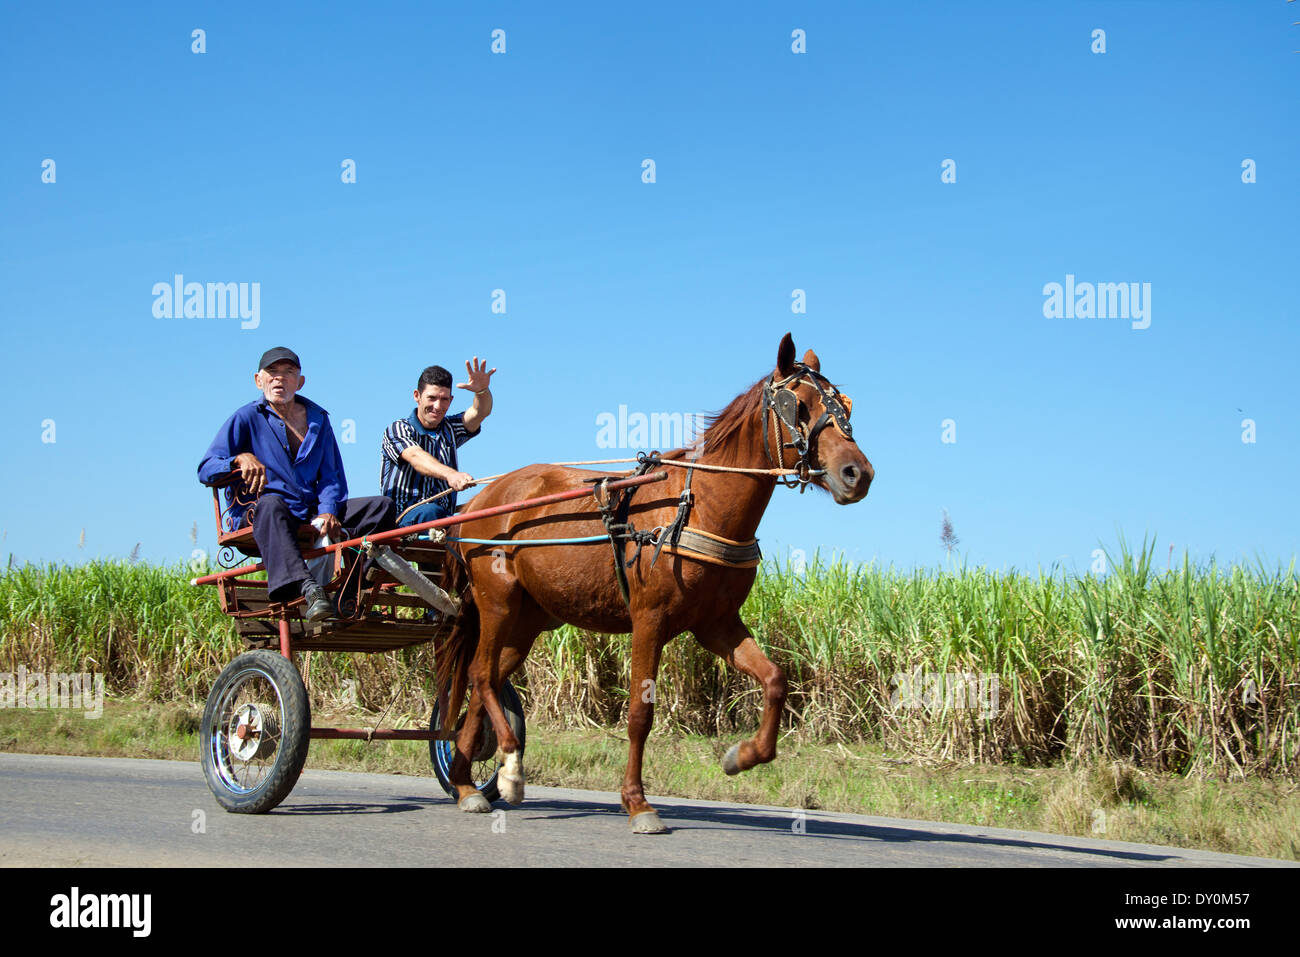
(647, 822)
(731, 760)
(510, 779)
(475, 803)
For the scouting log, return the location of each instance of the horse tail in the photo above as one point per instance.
(455, 652)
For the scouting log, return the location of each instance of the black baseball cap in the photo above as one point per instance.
(272, 356)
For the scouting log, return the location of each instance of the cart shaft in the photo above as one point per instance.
(443, 523)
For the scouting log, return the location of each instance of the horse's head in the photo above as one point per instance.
(806, 426)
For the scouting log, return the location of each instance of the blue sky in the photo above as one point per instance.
(775, 171)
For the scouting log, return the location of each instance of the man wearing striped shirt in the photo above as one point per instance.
(419, 452)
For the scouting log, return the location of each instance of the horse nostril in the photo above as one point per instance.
(850, 475)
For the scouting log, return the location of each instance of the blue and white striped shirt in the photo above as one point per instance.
(399, 480)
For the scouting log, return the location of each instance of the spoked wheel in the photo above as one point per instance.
(255, 733)
(483, 766)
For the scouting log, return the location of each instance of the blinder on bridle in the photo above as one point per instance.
(780, 400)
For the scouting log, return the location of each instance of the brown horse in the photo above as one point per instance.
(793, 418)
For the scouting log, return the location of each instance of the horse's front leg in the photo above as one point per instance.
(732, 642)
(647, 643)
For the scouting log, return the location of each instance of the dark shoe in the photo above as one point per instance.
(432, 616)
(318, 607)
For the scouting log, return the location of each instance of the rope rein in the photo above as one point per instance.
(489, 479)
(779, 416)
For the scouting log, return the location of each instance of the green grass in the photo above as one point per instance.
(1193, 671)
(1104, 800)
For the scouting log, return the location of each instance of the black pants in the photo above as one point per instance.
(276, 532)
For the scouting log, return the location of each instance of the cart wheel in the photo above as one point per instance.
(483, 768)
(255, 733)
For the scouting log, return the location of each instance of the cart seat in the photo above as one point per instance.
(243, 539)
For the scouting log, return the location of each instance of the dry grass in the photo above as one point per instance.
(1195, 672)
(1110, 800)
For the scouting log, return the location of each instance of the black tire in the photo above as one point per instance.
(483, 769)
(261, 689)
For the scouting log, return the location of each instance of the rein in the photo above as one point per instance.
(781, 404)
(489, 479)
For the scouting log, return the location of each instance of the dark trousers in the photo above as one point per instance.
(275, 530)
(428, 512)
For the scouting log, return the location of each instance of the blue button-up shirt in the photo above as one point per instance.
(310, 483)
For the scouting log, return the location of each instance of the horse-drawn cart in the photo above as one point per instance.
(257, 726)
(528, 574)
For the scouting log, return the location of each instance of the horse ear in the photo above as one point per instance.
(811, 361)
(785, 357)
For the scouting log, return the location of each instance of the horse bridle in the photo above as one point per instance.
(780, 401)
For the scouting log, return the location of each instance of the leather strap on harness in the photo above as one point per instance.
(707, 547)
(781, 404)
(621, 531)
(679, 538)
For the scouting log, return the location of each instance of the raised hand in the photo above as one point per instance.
(478, 374)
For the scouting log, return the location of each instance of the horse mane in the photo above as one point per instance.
(721, 427)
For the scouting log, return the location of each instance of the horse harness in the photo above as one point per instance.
(679, 537)
(781, 403)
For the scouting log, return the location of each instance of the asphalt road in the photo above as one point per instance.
(68, 811)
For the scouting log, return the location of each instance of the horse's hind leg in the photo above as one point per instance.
(483, 665)
(468, 798)
(503, 645)
(732, 642)
(510, 775)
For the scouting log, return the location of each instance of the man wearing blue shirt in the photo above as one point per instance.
(284, 450)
